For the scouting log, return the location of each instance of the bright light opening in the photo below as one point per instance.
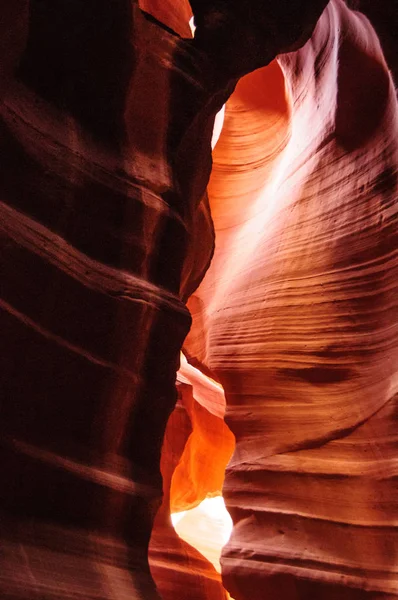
(206, 527)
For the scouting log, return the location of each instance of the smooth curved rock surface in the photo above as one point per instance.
(201, 468)
(179, 570)
(107, 230)
(384, 18)
(297, 317)
(95, 227)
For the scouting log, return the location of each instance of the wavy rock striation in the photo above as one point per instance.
(95, 229)
(107, 114)
(297, 317)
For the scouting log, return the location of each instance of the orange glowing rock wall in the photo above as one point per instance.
(196, 449)
(107, 113)
(297, 317)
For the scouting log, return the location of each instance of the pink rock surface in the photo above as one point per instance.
(297, 317)
(106, 232)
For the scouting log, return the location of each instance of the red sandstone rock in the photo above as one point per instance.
(297, 317)
(106, 124)
(179, 570)
(95, 226)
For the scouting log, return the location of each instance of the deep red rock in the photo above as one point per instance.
(107, 230)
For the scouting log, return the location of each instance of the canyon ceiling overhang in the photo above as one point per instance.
(177, 323)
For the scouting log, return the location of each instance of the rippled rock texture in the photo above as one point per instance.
(297, 317)
(95, 220)
(107, 113)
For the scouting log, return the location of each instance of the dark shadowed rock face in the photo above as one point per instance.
(96, 212)
(259, 29)
(384, 18)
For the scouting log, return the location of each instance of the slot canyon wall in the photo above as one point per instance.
(272, 265)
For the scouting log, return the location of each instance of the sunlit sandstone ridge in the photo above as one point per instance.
(107, 233)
